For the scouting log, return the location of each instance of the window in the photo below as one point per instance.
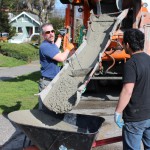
(37, 30)
(20, 30)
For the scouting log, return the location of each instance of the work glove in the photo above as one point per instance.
(69, 46)
(62, 32)
(118, 120)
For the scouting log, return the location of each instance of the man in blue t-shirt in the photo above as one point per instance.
(50, 56)
(134, 100)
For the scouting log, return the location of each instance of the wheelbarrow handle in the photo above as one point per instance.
(107, 141)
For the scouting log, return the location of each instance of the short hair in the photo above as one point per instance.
(135, 38)
(45, 24)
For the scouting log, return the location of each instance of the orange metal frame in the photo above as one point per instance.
(69, 19)
(138, 11)
(141, 18)
(107, 56)
(118, 54)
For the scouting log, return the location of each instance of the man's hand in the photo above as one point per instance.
(69, 46)
(60, 36)
(62, 32)
(118, 120)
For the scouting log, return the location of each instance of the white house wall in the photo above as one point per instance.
(24, 21)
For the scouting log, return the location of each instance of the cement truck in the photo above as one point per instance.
(126, 14)
(101, 55)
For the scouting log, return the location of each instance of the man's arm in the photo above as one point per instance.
(58, 41)
(62, 56)
(124, 99)
(125, 96)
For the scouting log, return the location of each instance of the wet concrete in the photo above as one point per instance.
(60, 96)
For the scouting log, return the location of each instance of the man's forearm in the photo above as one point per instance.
(58, 42)
(60, 57)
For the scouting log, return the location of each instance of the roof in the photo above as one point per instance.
(30, 15)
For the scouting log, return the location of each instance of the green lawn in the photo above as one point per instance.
(10, 61)
(18, 94)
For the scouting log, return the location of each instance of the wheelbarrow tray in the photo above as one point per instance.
(50, 131)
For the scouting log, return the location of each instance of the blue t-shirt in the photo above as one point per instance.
(49, 67)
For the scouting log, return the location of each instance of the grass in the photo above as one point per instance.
(23, 51)
(18, 93)
(10, 61)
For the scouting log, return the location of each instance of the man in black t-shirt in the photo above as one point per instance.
(134, 100)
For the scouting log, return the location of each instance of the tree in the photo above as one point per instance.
(4, 24)
(58, 23)
(8, 5)
(42, 8)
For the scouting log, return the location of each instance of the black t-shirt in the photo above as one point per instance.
(137, 70)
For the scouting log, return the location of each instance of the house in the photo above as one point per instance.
(26, 25)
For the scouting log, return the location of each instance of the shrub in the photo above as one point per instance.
(35, 38)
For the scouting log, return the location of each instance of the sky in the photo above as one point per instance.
(58, 4)
(59, 8)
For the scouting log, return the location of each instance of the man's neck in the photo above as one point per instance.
(140, 51)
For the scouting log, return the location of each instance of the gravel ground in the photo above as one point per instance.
(11, 136)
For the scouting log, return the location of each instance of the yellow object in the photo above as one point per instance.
(69, 46)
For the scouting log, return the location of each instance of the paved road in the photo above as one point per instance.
(12, 72)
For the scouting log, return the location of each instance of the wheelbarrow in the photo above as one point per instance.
(54, 131)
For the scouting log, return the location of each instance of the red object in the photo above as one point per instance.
(95, 144)
(31, 148)
(107, 141)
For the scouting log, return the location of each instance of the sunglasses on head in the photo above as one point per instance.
(48, 32)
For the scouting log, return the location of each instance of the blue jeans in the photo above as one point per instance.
(134, 133)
